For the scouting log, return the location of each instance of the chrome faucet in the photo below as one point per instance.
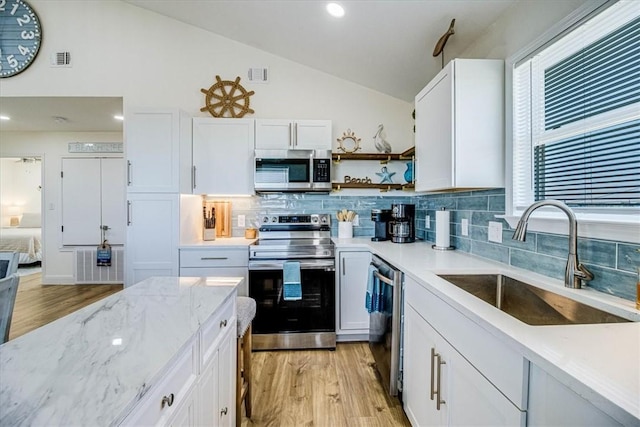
(575, 272)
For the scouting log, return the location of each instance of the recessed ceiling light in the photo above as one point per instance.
(5, 118)
(335, 9)
(117, 117)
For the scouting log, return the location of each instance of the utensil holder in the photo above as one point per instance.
(345, 229)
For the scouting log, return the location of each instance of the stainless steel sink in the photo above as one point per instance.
(528, 303)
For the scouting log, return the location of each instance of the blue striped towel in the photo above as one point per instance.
(292, 286)
(373, 301)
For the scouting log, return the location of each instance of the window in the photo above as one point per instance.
(576, 118)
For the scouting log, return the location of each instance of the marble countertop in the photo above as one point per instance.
(599, 362)
(91, 367)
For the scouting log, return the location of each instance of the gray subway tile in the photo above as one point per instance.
(614, 282)
(597, 252)
(538, 263)
(461, 243)
(492, 191)
(628, 257)
(483, 218)
(497, 203)
(490, 250)
(472, 203)
(552, 244)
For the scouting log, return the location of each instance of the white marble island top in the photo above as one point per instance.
(91, 367)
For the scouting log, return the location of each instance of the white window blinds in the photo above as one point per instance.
(576, 130)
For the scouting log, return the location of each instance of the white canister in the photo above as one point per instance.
(345, 229)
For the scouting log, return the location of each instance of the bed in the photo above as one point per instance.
(25, 239)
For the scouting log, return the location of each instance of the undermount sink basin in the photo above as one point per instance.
(528, 303)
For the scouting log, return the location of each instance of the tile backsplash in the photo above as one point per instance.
(612, 263)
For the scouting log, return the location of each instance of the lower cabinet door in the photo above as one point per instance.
(352, 281)
(419, 385)
(217, 386)
(185, 415)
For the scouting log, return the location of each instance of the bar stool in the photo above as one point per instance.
(246, 309)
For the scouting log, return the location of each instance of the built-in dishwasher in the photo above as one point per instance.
(385, 326)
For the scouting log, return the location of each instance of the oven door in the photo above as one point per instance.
(314, 313)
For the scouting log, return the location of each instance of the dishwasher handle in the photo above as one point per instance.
(383, 278)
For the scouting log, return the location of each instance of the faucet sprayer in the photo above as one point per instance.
(574, 272)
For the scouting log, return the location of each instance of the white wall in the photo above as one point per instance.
(52, 146)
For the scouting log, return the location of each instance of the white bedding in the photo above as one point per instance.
(27, 241)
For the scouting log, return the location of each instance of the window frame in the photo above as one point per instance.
(616, 224)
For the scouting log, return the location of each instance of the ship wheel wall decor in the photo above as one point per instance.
(227, 98)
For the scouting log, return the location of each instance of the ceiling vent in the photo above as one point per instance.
(61, 59)
(259, 75)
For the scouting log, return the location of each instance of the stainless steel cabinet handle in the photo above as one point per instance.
(193, 177)
(224, 411)
(295, 134)
(290, 135)
(344, 267)
(128, 172)
(128, 212)
(433, 378)
(208, 258)
(439, 400)
(223, 323)
(166, 401)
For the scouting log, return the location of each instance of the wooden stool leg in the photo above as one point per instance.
(239, 384)
(248, 376)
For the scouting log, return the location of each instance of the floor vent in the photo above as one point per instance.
(87, 272)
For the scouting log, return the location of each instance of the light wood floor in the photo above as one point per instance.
(37, 304)
(291, 388)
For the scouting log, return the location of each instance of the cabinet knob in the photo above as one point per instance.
(223, 411)
(166, 401)
(223, 323)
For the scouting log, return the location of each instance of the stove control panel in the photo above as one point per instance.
(304, 219)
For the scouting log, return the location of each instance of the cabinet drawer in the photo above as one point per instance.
(215, 328)
(176, 386)
(227, 257)
(505, 368)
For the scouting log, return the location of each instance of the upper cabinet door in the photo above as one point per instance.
(312, 134)
(293, 134)
(152, 146)
(223, 156)
(274, 134)
(460, 127)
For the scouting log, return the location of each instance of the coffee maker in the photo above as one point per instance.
(402, 227)
(381, 218)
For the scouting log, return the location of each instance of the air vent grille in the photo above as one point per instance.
(61, 59)
(258, 75)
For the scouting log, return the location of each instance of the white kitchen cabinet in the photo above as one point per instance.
(223, 156)
(172, 400)
(552, 403)
(293, 134)
(434, 369)
(153, 223)
(158, 151)
(459, 134)
(93, 196)
(352, 272)
(217, 262)
(218, 376)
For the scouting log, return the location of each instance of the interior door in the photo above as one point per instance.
(81, 217)
(113, 199)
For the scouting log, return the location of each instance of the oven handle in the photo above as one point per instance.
(383, 278)
(328, 265)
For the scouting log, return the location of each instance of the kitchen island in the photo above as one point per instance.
(597, 362)
(94, 366)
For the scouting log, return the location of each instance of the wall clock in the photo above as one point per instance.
(20, 36)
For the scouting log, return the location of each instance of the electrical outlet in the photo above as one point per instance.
(241, 220)
(427, 221)
(495, 231)
(465, 227)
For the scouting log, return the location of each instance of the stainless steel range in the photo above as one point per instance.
(280, 322)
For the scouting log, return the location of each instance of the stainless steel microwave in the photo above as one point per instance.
(292, 171)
